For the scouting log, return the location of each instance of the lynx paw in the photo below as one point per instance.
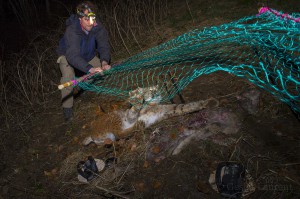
(100, 139)
(87, 141)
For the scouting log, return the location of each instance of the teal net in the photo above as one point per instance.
(264, 49)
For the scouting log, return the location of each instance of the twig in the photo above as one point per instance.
(115, 155)
(248, 143)
(235, 147)
(125, 171)
(135, 39)
(22, 84)
(190, 12)
(114, 193)
(115, 17)
(290, 164)
(288, 178)
(234, 93)
(256, 173)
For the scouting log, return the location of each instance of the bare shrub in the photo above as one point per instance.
(129, 22)
(28, 77)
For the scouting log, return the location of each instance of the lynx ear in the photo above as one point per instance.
(153, 88)
(131, 93)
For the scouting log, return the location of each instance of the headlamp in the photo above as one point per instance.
(90, 16)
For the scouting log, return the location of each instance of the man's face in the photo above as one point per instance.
(86, 22)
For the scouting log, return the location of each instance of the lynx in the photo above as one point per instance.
(124, 123)
(148, 95)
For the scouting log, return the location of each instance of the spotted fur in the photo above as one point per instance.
(124, 123)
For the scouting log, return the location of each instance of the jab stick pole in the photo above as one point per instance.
(75, 81)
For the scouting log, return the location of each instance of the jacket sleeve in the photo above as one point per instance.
(73, 56)
(103, 46)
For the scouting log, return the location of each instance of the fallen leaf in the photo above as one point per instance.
(47, 173)
(173, 135)
(51, 174)
(155, 149)
(140, 186)
(157, 160)
(133, 147)
(75, 139)
(54, 171)
(59, 148)
(156, 185)
(146, 164)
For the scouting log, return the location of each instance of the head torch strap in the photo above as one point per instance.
(90, 12)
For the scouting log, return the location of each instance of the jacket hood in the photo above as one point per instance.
(73, 21)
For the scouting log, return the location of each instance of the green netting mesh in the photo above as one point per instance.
(264, 49)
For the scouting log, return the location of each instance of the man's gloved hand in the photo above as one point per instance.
(105, 65)
(96, 70)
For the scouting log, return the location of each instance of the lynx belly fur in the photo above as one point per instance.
(123, 123)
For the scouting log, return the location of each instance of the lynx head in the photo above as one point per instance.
(147, 95)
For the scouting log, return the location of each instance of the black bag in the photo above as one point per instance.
(87, 169)
(230, 179)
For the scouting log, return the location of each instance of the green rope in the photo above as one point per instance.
(264, 49)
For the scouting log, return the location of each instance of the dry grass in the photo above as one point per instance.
(29, 78)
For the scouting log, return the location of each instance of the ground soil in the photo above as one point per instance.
(42, 160)
(39, 159)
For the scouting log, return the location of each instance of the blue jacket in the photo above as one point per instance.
(80, 48)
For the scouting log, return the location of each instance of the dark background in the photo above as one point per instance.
(41, 14)
(20, 19)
